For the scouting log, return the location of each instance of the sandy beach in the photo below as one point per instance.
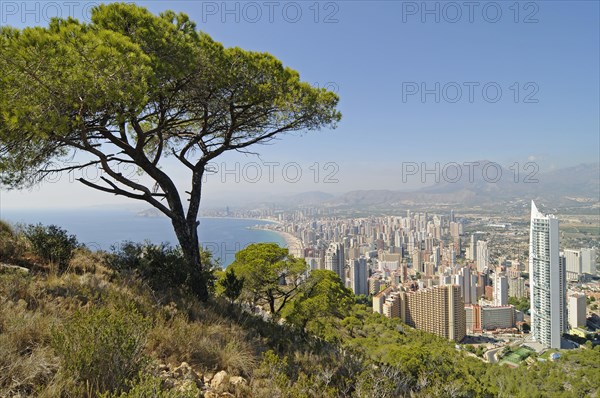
(293, 244)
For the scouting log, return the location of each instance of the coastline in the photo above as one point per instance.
(293, 243)
(244, 218)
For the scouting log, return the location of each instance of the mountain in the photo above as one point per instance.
(487, 184)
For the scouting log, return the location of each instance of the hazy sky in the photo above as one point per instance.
(504, 81)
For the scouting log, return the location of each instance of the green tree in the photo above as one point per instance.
(130, 88)
(232, 285)
(322, 296)
(521, 304)
(271, 275)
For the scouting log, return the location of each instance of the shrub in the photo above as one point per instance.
(26, 361)
(51, 243)
(103, 348)
(12, 245)
(162, 266)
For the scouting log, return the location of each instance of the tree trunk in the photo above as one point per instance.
(187, 235)
(271, 303)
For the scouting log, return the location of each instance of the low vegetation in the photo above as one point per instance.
(107, 324)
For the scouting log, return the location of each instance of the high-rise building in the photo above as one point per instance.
(573, 264)
(468, 285)
(547, 280)
(576, 310)
(588, 261)
(439, 310)
(334, 260)
(473, 318)
(391, 306)
(359, 273)
(482, 255)
(417, 259)
(472, 252)
(500, 290)
(516, 287)
(374, 283)
(455, 230)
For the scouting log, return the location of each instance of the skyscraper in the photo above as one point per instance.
(573, 264)
(500, 290)
(472, 252)
(358, 276)
(588, 261)
(438, 310)
(334, 260)
(482, 255)
(547, 284)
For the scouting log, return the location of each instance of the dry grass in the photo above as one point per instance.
(210, 346)
(26, 360)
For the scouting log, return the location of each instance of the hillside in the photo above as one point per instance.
(82, 324)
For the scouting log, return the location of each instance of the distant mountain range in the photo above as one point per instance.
(572, 186)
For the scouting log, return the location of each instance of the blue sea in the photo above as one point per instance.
(101, 229)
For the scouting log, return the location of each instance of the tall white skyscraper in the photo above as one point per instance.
(547, 280)
(334, 260)
(359, 273)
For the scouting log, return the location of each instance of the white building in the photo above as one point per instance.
(334, 260)
(547, 280)
(588, 261)
(482, 255)
(472, 252)
(573, 264)
(576, 309)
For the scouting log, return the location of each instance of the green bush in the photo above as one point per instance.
(162, 266)
(103, 349)
(53, 244)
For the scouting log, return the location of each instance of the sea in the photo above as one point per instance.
(105, 229)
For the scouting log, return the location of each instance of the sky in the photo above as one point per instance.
(429, 84)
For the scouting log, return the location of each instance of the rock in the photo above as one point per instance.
(13, 268)
(237, 380)
(220, 380)
(185, 386)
